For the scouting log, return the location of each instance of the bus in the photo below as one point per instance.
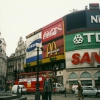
(29, 80)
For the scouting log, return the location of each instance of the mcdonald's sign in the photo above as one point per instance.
(52, 49)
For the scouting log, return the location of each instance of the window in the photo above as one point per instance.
(58, 85)
(61, 65)
(88, 88)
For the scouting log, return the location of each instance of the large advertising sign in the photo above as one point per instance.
(75, 20)
(93, 19)
(94, 6)
(53, 48)
(52, 30)
(83, 58)
(82, 40)
(31, 47)
(82, 19)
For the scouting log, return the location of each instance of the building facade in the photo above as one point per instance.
(82, 47)
(51, 39)
(72, 43)
(16, 61)
(3, 61)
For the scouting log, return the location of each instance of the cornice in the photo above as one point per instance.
(83, 68)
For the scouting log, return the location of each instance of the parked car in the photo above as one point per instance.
(15, 87)
(58, 88)
(89, 90)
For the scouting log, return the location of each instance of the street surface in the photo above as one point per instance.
(62, 97)
(54, 96)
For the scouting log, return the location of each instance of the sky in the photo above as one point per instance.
(18, 18)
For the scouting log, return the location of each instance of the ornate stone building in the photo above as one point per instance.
(16, 60)
(3, 61)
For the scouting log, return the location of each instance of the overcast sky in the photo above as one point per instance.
(22, 17)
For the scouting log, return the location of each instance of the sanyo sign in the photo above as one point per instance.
(95, 18)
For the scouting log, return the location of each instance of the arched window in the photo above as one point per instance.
(85, 75)
(97, 74)
(73, 75)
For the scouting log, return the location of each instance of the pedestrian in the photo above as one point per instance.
(79, 91)
(48, 87)
(10, 88)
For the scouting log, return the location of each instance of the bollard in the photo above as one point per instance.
(65, 92)
(21, 91)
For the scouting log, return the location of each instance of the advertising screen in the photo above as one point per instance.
(94, 6)
(31, 47)
(93, 19)
(76, 20)
(52, 30)
(53, 48)
(82, 40)
(83, 58)
(82, 19)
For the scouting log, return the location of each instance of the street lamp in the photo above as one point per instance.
(37, 95)
(18, 82)
(55, 70)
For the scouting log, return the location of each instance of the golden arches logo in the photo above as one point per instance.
(51, 49)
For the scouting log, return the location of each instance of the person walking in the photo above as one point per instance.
(48, 87)
(10, 88)
(79, 91)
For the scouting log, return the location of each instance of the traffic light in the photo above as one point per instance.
(18, 74)
(15, 74)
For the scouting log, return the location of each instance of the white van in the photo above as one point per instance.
(15, 87)
(58, 88)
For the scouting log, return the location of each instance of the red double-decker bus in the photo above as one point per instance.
(29, 80)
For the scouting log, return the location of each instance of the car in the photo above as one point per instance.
(15, 89)
(58, 88)
(88, 91)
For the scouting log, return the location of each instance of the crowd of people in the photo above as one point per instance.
(6, 88)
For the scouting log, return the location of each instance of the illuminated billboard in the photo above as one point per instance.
(53, 48)
(83, 58)
(82, 19)
(82, 40)
(52, 31)
(31, 47)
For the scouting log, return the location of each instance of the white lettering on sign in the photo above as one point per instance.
(29, 79)
(52, 32)
(89, 35)
(95, 19)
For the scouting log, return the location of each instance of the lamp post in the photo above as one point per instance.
(55, 70)
(37, 94)
(18, 82)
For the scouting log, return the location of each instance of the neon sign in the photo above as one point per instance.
(85, 58)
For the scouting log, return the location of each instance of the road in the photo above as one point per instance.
(54, 96)
(62, 97)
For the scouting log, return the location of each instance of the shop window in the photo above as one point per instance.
(73, 76)
(97, 74)
(86, 82)
(85, 75)
(73, 82)
(62, 65)
(60, 79)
